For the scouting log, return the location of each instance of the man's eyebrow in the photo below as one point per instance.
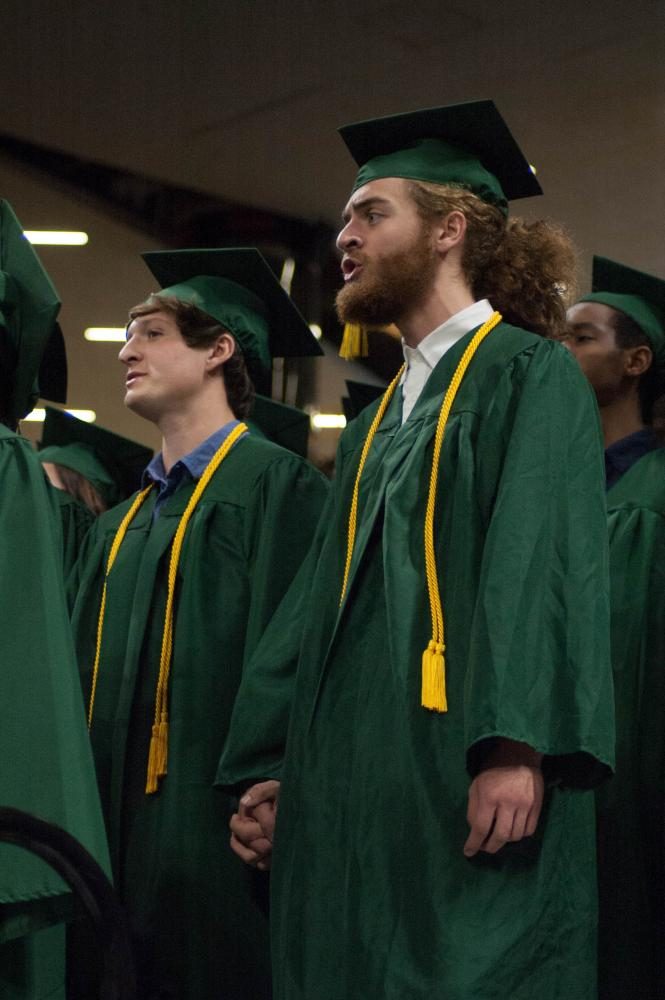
(583, 326)
(363, 203)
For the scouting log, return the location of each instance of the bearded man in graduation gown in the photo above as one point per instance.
(435, 835)
(175, 586)
(47, 765)
(617, 333)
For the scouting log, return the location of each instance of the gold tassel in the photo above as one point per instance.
(433, 695)
(354, 342)
(163, 746)
(151, 783)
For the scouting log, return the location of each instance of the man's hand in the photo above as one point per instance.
(253, 825)
(505, 799)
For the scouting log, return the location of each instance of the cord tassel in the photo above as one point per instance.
(433, 691)
(163, 746)
(151, 781)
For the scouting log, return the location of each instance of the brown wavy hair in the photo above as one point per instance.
(526, 269)
(199, 330)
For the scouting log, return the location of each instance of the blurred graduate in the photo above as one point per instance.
(48, 770)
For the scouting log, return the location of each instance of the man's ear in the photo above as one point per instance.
(449, 231)
(220, 352)
(637, 360)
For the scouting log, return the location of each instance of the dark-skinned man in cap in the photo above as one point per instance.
(617, 333)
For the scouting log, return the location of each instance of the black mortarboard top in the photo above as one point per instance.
(466, 144)
(280, 423)
(112, 463)
(29, 305)
(640, 296)
(361, 394)
(238, 289)
(53, 369)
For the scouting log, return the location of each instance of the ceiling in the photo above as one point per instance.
(240, 100)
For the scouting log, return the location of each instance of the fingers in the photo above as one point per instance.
(264, 791)
(265, 815)
(249, 842)
(246, 854)
(534, 812)
(504, 806)
(480, 816)
(509, 826)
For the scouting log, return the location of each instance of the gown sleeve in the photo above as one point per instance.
(286, 547)
(539, 669)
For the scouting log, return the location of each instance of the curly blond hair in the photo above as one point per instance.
(526, 269)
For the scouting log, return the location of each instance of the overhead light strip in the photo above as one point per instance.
(38, 415)
(56, 238)
(327, 421)
(106, 334)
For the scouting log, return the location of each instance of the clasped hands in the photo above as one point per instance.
(504, 805)
(252, 827)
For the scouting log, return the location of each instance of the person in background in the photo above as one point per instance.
(172, 591)
(617, 333)
(435, 829)
(48, 770)
(90, 469)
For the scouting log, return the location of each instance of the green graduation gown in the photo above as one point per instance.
(75, 520)
(197, 914)
(631, 808)
(43, 739)
(372, 897)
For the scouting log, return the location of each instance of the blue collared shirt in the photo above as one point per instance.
(190, 466)
(621, 455)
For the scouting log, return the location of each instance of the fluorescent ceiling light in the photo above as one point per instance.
(39, 415)
(56, 238)
(106, 334)
(327, 421)
(288, 270)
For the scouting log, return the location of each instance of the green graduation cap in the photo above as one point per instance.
(361, 394)
(29, 305)
(284, 425)
(238, 289)
(113, 464)
(463, 144)
(640, 296)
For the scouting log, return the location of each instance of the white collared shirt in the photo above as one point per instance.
(423, 359)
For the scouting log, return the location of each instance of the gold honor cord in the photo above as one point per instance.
(117, 542)
(433, 691)
(158, 756)
(353, 514)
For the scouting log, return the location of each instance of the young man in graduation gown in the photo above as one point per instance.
(47, 766)
(453, 697)
(617, 333)
(175, 586)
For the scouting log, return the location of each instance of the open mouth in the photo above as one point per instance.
(350, 268)
(132, 377)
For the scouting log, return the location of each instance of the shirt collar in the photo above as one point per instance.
(620, 456)
(194, 462)
(436, 343)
